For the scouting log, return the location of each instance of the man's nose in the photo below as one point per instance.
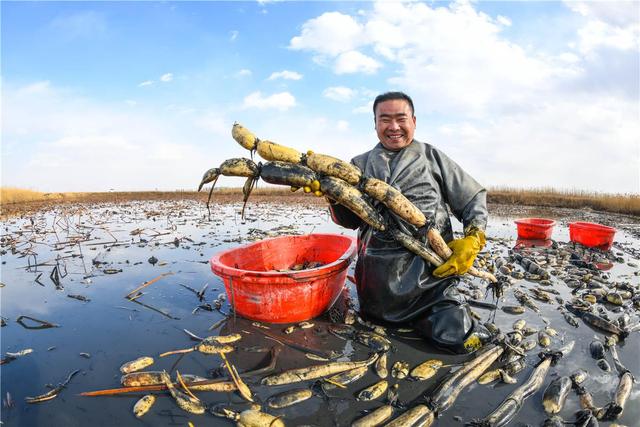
(394, 124)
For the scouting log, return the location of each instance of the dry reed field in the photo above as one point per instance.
(15, 201)
(628, 204)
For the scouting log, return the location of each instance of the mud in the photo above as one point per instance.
(104, 251)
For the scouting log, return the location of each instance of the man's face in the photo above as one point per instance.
(395, 124)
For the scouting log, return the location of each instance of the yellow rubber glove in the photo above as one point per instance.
(465, 251)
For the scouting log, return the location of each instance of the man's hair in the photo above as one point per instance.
(389, 96)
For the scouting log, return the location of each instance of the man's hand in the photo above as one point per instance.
(464, 253)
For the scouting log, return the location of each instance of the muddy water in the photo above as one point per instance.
(103, 252)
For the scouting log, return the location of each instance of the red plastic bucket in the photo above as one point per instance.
(592, 234)
(258, 292)
(535, 228)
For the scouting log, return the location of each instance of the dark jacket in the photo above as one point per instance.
(392, 281)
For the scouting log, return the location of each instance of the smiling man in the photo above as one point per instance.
(395, 122)
(395, 285)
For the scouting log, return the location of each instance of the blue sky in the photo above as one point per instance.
(139, 96)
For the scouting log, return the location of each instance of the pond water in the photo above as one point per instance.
(103, 252)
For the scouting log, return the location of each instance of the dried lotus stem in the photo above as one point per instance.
(183, 385)
(243, 388)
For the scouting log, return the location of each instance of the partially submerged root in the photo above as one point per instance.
(614, 409)
(555, 394)
(450, 388)
(509, 407)
(418, 415)
(314, 372)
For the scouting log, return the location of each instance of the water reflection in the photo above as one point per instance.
(103, 253)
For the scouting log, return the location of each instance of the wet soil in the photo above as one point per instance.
(103, 251)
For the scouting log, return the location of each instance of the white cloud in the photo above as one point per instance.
(504, 20)
(597, 34)
(558, 146)
(363, 109)
(165, 78)
(612, 25)
(615, 13)
(342, 125)
(243, 73)
(511, 114)
(57, 140)
(331, 33)
(339, 93)
(456, 57)
(334, 38)
(355, 62)
(285, 75)
(280, 101)
(385, 34)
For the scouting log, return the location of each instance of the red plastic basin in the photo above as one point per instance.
(535, 228)
(592, 234)
(260, 293)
